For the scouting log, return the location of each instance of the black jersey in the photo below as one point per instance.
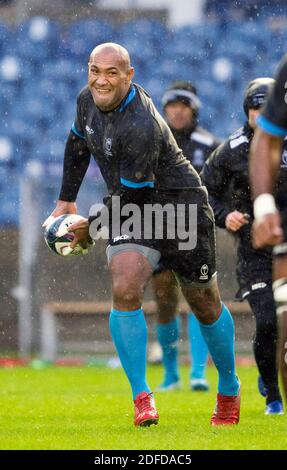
(132, 145)
(226, 177)
(197, 144)
(225, 173)
(273, 119)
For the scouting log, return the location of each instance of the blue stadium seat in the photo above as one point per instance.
(9, 195)
(38, 38)
(6, 34)
(85, 34)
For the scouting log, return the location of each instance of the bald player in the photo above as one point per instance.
(117, 123)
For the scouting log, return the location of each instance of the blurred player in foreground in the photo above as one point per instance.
(141, 163)
(270, 226)
(181, 108)
(225, 175)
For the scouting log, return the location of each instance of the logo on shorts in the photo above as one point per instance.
(203, 272)
(108, 146)
(121, 237)
(258, 285)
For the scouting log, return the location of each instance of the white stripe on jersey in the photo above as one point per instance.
(234, 143)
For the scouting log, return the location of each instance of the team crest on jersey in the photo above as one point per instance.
(284, 159)
(108, 146)
(89, 130)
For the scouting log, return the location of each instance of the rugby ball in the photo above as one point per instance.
(58, 238)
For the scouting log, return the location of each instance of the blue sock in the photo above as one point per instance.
(129, 333)
(168, 335)
(219, 337)
(198, 348)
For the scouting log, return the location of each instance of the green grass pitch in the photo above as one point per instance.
(90, 408)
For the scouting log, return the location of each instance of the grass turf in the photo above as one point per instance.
(90, 408)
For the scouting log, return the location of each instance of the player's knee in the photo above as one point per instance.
(166, 316)
(127, 293)
(167, 305)
(206, 313)
(206, 304)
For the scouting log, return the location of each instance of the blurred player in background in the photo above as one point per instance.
(140, 161)
(270, 226)
(181, 107)
(226, 177)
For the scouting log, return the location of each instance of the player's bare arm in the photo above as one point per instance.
(264, 166)
(264, 162)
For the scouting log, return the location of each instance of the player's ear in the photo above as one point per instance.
(131, 73)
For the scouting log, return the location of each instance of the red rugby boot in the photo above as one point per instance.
(145, 410)
(227, 410)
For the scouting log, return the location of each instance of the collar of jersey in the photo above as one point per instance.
(130, 96)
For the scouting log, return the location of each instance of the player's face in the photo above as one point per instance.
(109, 79)
(178, 115)
(252, 116)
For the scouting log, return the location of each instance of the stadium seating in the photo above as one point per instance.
(43, 67)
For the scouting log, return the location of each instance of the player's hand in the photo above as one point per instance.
(62, 207)
(235, 220)
(267, 230)
(82, 236)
